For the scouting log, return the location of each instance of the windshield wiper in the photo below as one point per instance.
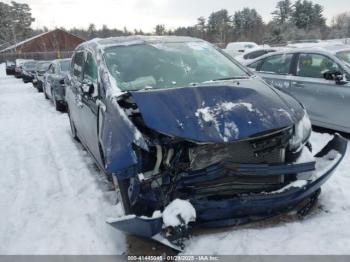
(230, 78)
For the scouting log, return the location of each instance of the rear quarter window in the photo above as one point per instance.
(278, 64)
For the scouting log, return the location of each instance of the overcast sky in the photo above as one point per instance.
(145, 14)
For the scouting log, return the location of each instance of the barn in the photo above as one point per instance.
(49, 45)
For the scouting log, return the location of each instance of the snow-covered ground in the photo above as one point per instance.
(52, 198)
(54, 201)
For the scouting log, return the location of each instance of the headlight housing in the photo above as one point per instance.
(302, 132)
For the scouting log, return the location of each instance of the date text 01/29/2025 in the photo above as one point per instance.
(173, 258)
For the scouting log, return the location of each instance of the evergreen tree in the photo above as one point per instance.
(160, 30)
(248, 25)
(283, 11)
(307, 15)
(219, 26)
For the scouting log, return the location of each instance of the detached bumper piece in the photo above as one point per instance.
(245, 208)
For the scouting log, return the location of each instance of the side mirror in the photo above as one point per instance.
(87, 87)
(337, 76)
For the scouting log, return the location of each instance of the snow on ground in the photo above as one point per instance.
(54, 201)
(52, 198)
(2, 70)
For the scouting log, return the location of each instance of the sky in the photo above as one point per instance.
(145, 14)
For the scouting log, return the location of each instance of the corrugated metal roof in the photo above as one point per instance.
(15, 46)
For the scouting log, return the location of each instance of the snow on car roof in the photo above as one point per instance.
(326, 49)
(102, 43)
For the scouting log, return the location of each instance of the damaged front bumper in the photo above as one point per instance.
(245, 208)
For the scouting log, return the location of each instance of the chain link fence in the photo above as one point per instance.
(35, 55)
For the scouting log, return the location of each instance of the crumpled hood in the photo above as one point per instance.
(217, 113)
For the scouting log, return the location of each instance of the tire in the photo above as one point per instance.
(60, 107)
(46, 96)
(39, 86)
(121, 187)
(72, 127)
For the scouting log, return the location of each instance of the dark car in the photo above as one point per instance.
(28, 71)
(41, 68)
(18, 67)
(54, 83)
(10, 68)
(190, 137)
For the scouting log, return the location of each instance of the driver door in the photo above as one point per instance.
(89, 107)
(325, 101)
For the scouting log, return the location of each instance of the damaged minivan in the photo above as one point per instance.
(190, 137)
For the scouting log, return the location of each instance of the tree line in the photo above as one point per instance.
(302, 19)
(15, 22)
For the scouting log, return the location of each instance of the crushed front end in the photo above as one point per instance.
(227, 183)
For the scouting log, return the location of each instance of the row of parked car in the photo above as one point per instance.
(47, 77)
(190, 137)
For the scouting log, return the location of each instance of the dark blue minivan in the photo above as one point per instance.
(190, 137)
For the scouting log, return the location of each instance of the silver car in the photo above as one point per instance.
(318, 77)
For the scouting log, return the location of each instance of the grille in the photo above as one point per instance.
(265, 149)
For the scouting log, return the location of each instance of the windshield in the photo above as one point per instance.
(345, 56)
(64, 65)
(166, 65)
(43, 66)
(29, 66)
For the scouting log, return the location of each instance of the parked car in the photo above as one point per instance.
(191, 137)
(54, 83)
(18, 67)
(236, 48)
(28, 71)
(41, 68)
(318, 77)
(10, 67)
(254, 53)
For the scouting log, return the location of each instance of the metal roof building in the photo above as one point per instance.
(49, 45)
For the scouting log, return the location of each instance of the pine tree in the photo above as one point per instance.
(283, 11)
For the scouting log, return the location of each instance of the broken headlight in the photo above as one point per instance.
(302, 131)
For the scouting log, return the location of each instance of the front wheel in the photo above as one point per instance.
(44, 90)
(121, 187)
(58, 104)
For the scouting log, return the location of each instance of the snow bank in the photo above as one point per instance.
(177, 208)
(2, 70)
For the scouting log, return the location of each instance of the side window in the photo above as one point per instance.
(279, 64)
(90, 68)
(77, 64)
(51, 69)
(254, 65)
(255, 54)
(315, 65)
